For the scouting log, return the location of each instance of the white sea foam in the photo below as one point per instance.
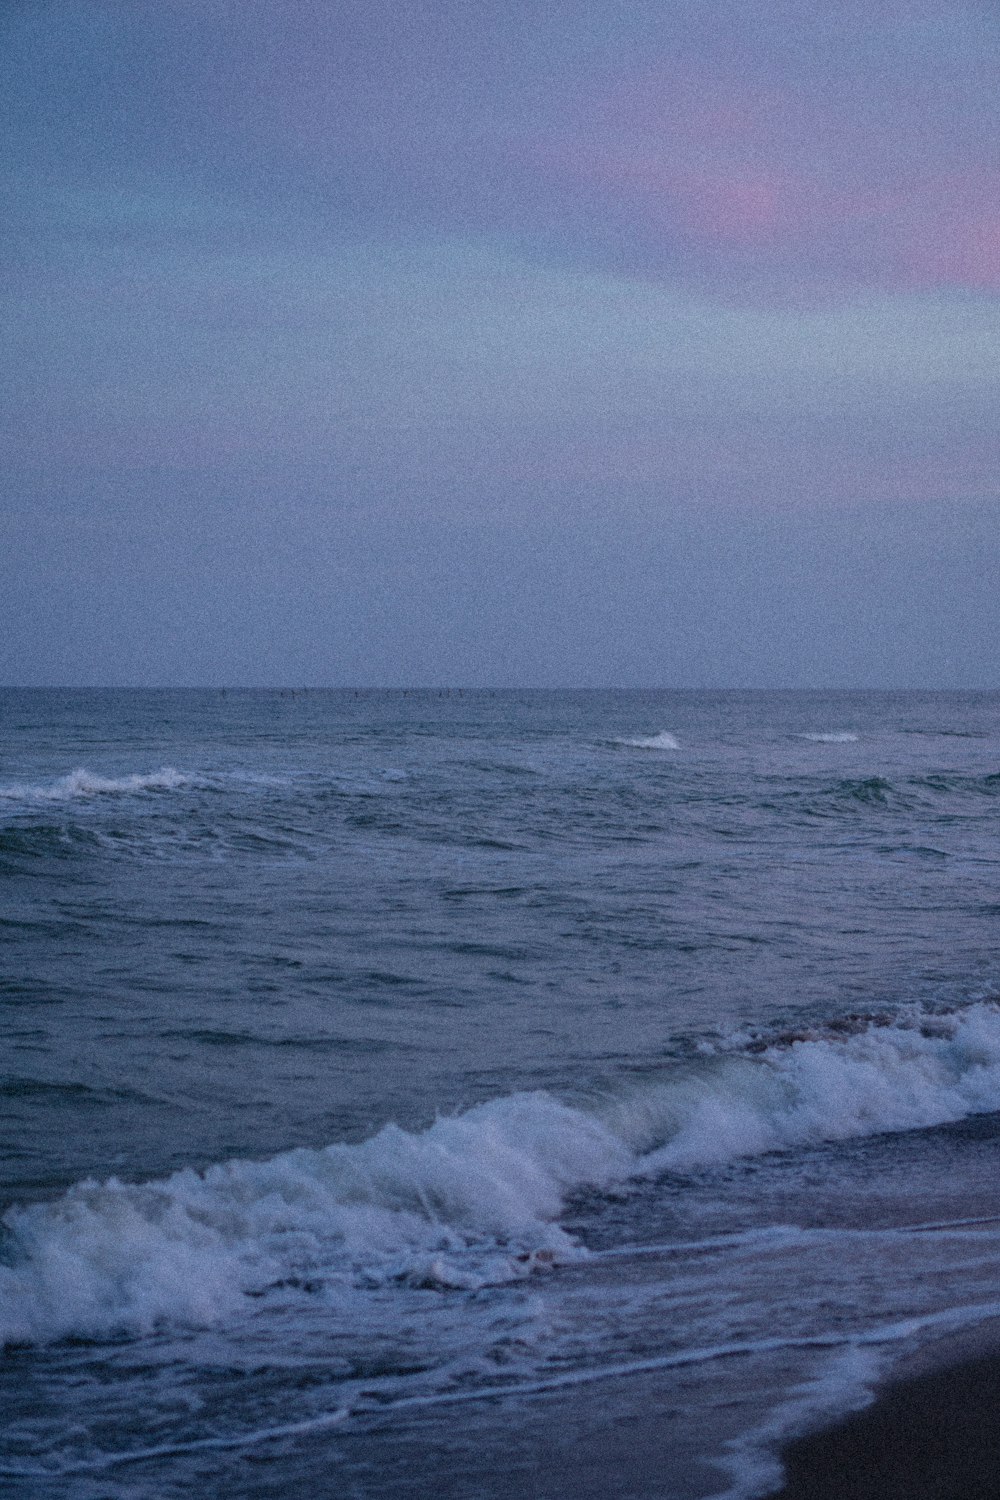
(474, 1199)
(468, 1201)
(662, 741)
(83, 783)
(845, 1383)
(831, 737)
(919, 1072)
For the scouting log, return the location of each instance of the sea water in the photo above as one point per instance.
(485, 1094)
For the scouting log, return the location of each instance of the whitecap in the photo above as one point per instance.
(918, 1072)
(831, 737)
(469, 1202)
(662, 741)
(475, 1199)
(84, 783)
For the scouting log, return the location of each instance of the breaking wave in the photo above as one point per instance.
(831, 737)
(662, 741)
(475, 1199)
(83, 783)
(468, 1202)
(882, 1077)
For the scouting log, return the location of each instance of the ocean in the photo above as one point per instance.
(485, 1094)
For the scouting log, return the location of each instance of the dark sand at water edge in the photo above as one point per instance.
(933, 1437)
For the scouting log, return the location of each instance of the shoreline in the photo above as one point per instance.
(933, 1435)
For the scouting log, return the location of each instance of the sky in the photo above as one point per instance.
(647, 343)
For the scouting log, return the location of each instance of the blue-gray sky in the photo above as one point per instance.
(468, 342)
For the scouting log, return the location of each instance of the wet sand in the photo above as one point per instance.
(935, 1436)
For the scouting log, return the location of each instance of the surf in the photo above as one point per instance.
(475, 1199)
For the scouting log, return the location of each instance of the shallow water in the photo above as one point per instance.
(414, 1093)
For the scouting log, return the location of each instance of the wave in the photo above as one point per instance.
(926, 793)
(662, 741)
(869, 790)
(831, 737)
(471, 1201)
(475, 1199)
(84, 783)
(987, 785)
(49, 839)
(865, 1077)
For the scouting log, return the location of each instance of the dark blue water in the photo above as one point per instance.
(395, 1085)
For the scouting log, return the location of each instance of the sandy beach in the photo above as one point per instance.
(934, 1436)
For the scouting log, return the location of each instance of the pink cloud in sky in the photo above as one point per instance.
(716, 204)
(720, 168)
(948, 234)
